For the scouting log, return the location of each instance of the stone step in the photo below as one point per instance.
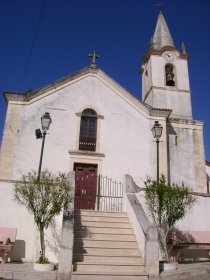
(99, 213)
(103, 224)
(107, 251)
(94, 275)
(102, 236)
(107, 267)
(108, 259)
(89, 230)
(78, 218)
(104, 243)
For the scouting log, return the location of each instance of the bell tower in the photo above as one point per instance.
(165, 78)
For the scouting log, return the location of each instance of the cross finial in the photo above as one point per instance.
(94, 55)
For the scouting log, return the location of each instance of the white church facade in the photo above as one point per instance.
(99, 128)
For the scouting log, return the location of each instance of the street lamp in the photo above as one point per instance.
(45, 121)
(157, 132)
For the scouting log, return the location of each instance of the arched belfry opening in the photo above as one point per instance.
(169, 74)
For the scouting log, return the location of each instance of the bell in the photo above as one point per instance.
(169, 79)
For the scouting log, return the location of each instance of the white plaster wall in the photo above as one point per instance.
(146, 78)
(208, 170)
(126, 138)
(161, 96)
(208, 176)
(186, 159)
(27, 245)
(180, 70)
(181, 157)
(181, 67)
(16, 216)
(198, 219)
(158, 71)
(170, 98)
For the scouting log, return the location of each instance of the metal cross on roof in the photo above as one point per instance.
(94, 55)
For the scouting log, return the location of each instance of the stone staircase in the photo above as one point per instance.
(105, 248)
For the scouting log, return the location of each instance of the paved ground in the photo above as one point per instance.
(189, 271)
(24, 271)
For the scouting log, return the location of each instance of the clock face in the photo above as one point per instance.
(169, 56)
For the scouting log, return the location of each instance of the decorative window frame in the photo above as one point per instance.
(98, 130)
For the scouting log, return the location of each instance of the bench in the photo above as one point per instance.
(7, 241)
(189, 245)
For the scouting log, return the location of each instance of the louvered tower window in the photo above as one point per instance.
(88, 127)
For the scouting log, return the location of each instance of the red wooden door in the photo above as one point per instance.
(85, 186)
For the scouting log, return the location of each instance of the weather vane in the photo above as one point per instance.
(93, 55)
(159, 5)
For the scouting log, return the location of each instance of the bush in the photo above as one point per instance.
(167, 204)
(44, 197)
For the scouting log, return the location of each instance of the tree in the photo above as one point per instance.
(167, 204)
(44, 197)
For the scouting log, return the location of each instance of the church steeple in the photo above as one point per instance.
(165, 79)
(162, 37)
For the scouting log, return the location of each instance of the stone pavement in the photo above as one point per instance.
(24, 271)
(188, 271)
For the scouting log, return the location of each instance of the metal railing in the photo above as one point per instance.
(109, 195)
(98, 193)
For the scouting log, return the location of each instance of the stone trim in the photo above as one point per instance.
(97, 116)
(165, 113)
(185, 121)
(10, 181)
(165, 88)
(86, 153)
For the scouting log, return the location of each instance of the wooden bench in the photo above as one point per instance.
(195, 243)
(7, 241)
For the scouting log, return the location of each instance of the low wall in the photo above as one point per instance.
(67, 237)
(145, 232)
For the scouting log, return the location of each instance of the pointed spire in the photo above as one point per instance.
(162, 37)
(183, 48)
(151, 44)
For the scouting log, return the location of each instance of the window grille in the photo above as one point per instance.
(88, 128)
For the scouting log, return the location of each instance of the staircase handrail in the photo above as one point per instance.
(141, 222)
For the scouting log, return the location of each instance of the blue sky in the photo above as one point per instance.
(119, 30)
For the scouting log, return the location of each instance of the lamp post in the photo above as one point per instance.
(157, 132)
(45, 121)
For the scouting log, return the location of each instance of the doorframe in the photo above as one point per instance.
(86, 159)
(88, 165)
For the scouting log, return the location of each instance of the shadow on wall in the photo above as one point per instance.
(53, 241)
(18, 251)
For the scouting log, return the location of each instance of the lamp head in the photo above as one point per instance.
(46, 121)
(157, 130)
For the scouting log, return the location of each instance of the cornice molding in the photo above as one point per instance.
(159, 53)
(184, 121)
(86, 153)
